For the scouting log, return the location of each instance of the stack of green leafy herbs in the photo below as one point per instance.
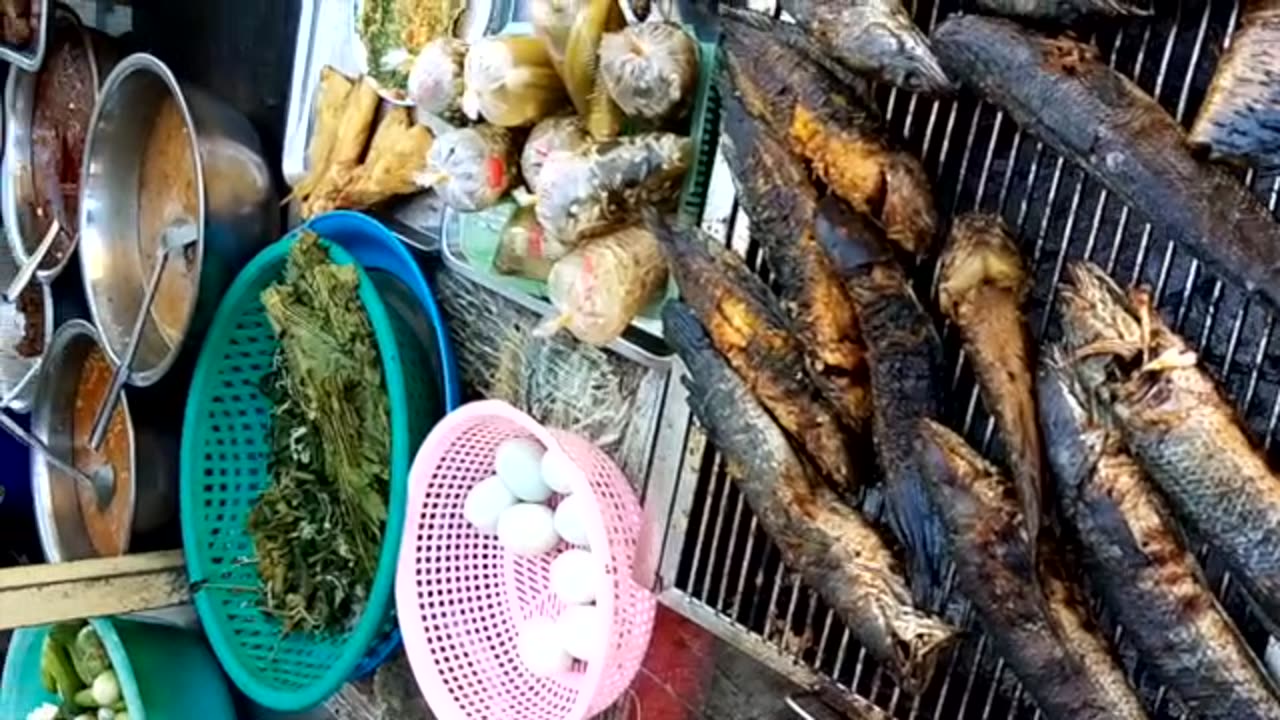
(318, 526)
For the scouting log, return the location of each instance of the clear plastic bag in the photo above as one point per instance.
(524, 250)
(511, 82)
(604, 185)
(650, 70)
(549, 137)
(599, 288)
(436, 80)
(471, 168)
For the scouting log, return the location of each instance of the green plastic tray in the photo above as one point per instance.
(224, 469)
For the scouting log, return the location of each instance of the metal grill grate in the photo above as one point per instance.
(720, 568)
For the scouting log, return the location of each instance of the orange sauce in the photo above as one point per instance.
(108, 527)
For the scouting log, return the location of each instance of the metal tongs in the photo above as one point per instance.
(176, 237)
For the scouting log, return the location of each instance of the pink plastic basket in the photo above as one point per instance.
(462, 600)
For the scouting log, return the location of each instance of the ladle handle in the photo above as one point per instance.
(23, 278)
(121, 374)
(33, 442)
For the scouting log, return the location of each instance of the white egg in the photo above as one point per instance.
(527, 529)
(572, 515)
(576, 576)
(540, 648)
(485, 503)
(557, 468)
(583, 630)
(518, 462)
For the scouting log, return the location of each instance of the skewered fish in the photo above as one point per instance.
(873, 37)
(1140, 562)
(1061, 91)
(837, 552)
(747, 326)
(982, 288)
(904, 355)
(1240, 117)
(830, 126)
(1178, 424)
(776, 193)
(1047, 639)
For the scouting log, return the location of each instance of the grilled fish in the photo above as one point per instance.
(837, 552)
(983, 285)
(778, 197)
(904, 354)
(830, 125)
(1176, 421)
(1140, 562)
(1062, 92)
(1240, 117)
(1061, 10)
(875, 38)
(1048, 639)
(747, 327)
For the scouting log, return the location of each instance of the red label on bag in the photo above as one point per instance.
(497, 172)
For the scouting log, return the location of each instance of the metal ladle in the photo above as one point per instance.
(102, 480)
(23, 278)
(176, 237)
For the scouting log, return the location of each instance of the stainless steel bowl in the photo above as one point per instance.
(17, 191)
(238, 210)
(57, 505)
(29, 58)
(18, 374)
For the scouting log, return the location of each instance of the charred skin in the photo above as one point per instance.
(781, 202)
(982, 289)
(904, 355)
(1240, 117)
(1065, 95)
(1048, 640)
(831, 126)
(874, 38)
(1062, 10)
(1176, 421)
(746, 325)
(837, 552)
(1140, 562)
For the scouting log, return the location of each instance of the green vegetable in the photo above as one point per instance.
(106, 689)
(85, 698)
(88, 654)
(47, 678)
(54, 661)
(122, 715)
(317, 529)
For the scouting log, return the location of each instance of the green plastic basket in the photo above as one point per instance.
(164, 672)
(224, 469)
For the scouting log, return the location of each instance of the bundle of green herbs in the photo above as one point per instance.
(318, 527)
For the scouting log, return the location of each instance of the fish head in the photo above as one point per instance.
(968, 492)
(980, 253)
(1102, 332)
(1073, 435)
(894, 49)
(854, 242)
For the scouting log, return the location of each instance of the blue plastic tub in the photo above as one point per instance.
(376, 248)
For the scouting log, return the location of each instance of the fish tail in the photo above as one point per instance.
(917, 526)
(851, 239)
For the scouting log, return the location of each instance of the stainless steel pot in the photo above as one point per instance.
(153, 481)
(238, 211)
(17, 191)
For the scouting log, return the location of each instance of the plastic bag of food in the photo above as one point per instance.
(511, 82)
(524, 250)
(599, 288)
(572, 30)
(650, 70)
(471, 168)
(436, 80)
(551, 136)
(604, 185)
